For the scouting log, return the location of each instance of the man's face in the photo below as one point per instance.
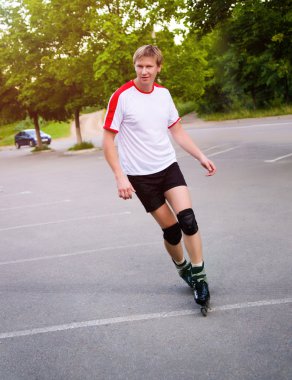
(146, 69)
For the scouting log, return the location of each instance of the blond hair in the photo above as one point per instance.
(148, 51)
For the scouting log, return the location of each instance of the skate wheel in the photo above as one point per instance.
(204, 311)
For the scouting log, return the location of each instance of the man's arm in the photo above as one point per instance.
(182, 138)
(124, 186)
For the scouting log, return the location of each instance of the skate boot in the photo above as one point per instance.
(201, 289)
(202, 296)
(185, 272)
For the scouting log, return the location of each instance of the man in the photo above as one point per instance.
(142, 112)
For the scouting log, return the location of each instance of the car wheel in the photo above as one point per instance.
(32, 143)
(17, 145)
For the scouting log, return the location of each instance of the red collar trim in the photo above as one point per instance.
(143, 92)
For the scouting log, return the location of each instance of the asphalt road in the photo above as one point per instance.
(88, 292)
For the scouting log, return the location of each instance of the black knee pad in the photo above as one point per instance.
(187, 221)
(172, 234)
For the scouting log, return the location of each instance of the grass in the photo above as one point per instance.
(54, 128)
(57, 129)
(83, 145)
(7, 133)
(245, 113)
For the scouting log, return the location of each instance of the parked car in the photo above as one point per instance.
(28, 137)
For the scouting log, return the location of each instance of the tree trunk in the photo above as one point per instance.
(77, 126)
(37, 129)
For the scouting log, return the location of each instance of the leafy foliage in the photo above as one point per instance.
(205, 15)
(58, 56)
(251, 58)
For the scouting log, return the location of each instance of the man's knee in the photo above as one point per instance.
(187, 221)
(172, 234)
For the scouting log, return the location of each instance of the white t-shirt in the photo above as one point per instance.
(142, 120)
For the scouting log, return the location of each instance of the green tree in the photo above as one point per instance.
(185, 68)
(125, 26)
(251, 57)
(75, 57)
(10, 108)
(61, 61)
(22, 49)
(75, 45)
(205, 15)
(259, 54)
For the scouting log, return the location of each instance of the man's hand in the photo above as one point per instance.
(182, 138)
(209, 165)
(124, 186)
(125, 189)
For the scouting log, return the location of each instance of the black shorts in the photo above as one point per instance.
(150, 188)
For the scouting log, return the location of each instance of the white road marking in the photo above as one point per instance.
(36, 205)
(229, 127)
(222, 151)
(15, 194)
(212, 147)
(78, 253)
(279, 158)
(136, 318)
(63, 221)
(182, 155)
(276, 124)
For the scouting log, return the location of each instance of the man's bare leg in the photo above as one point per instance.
(168, 222)
(179, 199)
(165, 218)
